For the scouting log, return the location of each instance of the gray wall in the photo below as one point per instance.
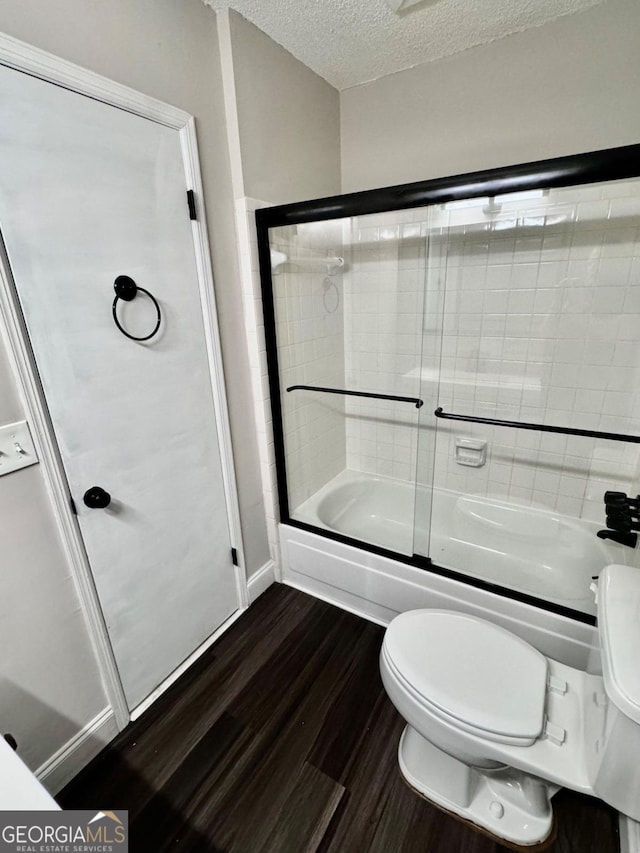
(288, 120)
(569, 86)
(50, 686)
(167, 49)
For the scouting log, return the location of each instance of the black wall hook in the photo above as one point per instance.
(127, 290)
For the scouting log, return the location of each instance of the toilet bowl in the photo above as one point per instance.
(495, 728)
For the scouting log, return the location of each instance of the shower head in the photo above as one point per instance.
(492, 207)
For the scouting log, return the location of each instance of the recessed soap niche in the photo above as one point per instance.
(471, 452)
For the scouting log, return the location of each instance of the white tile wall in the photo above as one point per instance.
(384, 296)
(309, 304)
(541, 324)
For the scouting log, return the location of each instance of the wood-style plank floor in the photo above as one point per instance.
(281, 738)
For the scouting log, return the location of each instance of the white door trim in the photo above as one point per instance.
(24, 57)
(629, 834)
(193, 176)
(32, 397)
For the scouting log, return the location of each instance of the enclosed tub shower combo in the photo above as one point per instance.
(454, 372)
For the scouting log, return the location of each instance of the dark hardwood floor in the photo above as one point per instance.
(281, 738)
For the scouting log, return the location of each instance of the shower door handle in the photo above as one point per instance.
(96, 498)
(589, 433)
(417, 402)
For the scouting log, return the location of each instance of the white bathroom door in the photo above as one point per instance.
(89, 192)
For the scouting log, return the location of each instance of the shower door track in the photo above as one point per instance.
(590, 433)
(427, 564)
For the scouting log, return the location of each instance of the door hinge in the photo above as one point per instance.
(234, 556)
(191, 201)
(72, 503)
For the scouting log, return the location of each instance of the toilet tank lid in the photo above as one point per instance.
(619, 627)
(472, 670)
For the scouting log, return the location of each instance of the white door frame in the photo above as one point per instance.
(24, 57)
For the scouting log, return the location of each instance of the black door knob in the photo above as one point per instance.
(13, 743)
(96, 498)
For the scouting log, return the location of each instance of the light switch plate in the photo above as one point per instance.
(16, 447)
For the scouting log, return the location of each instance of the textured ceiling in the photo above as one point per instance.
(351, 41)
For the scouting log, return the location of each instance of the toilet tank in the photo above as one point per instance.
(617, 774)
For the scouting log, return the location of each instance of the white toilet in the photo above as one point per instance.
(494, 728)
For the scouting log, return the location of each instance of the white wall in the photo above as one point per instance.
(168, 50)
(569, 86)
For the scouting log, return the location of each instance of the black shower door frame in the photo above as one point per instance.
(589, 168)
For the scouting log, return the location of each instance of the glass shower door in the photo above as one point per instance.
(428, 370)
(541, 312)
(348, 303)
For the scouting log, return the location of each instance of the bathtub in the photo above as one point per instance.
(529, 549)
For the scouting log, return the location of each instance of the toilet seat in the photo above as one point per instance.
(471, 673)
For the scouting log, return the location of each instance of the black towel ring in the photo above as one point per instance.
(126, 289)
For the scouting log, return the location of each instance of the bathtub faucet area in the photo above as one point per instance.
(628, 539)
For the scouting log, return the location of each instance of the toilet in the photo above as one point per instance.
(495, 728)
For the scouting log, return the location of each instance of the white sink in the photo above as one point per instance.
(19, 788)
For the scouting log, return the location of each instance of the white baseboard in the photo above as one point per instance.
(78, 752)
(629, 834)
(261, 580)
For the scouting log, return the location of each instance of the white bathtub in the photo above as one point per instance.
(525, 548)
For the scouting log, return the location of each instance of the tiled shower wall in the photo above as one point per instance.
(306, 332)
(384, 293)
(309, 306)
(539, 324)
